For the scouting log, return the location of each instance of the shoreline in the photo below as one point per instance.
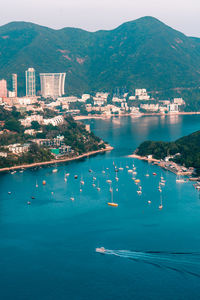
(79, 118)
(177, 170)
(54, 161)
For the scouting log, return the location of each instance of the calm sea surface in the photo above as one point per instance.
(47, 249)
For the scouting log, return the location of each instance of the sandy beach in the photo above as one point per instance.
(55, 161)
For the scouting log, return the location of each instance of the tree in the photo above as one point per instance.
(35, 125)
(13, 125)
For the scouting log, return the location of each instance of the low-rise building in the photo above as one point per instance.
(85, 97)
(173, 108)
(119, 100)
(55, 142)
(28, 120)
(179, 101)
(58, 120)
(18, 148)
(141, 94)
(150, 107)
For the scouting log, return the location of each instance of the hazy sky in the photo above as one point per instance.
(92, 15)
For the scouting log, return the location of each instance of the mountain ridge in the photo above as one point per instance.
(139, 53)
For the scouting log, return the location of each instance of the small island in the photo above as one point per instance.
(182, 156)
(57, 138)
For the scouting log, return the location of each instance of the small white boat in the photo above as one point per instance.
(147, 175)
(72, 198)
(130, 171)
(161, 204)
(111, 203)
(100, 250)
(149, 201)
(180, 180)
(121, 169)
(82, 181)
(109, 181)
(103, 172)
(54, 170)
(139, 192)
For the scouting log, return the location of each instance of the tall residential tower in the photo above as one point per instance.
(14, 84)
(52, 84)
(30, 82)
(3, 88)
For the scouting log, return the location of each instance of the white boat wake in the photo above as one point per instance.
(182, 262)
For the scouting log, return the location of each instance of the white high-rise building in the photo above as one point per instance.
(52, 84)
(30, 82)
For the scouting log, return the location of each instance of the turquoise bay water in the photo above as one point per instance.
(47, 249)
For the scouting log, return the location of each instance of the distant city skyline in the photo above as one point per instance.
(95, 15)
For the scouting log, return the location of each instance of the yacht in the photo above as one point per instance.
(111, 203)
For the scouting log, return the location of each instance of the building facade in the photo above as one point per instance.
(14, 84)
(3, 88)
(52, 84)
(30, 82)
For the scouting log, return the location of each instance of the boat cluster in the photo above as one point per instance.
(112, 182)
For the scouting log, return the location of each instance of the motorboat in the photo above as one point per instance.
(100, 250)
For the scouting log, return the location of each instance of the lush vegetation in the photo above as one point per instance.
(75, 135)
(142, 53)
(188, 148)
(34, 155)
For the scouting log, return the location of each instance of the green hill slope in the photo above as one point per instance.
(187, 146)
(140, 53)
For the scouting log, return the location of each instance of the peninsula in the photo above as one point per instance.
(181, 156)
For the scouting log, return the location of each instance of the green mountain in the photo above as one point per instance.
(141, 53)
(188, 148)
